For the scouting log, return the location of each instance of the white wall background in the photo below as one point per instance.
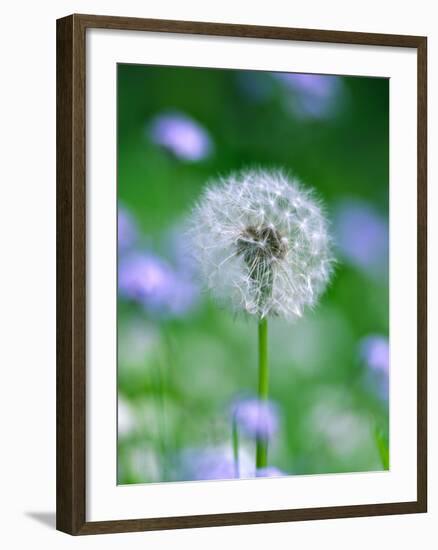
(27, 273)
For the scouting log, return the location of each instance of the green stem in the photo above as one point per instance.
(262, 445)
(383, 447)
(160, 380)
(235, 436)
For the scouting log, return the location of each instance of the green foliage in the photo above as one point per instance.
(383, 446)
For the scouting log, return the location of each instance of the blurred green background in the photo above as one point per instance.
(182, 359)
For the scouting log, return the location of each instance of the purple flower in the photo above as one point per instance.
(126, 229)
(153, 283)
(312, 95)
(362, 235)
(181, 135)
(211, 465)
(258, 419)
(215, 463)
(270, 471)
(144, 276)
(374, 351)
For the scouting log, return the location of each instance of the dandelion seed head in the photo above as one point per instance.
(262, 243)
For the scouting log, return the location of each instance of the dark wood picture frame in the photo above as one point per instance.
(71, 270)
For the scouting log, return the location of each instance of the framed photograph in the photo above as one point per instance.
(241, 274)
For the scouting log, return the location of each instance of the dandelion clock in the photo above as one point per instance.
(262, 243)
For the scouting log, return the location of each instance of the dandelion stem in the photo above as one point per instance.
(262, 444)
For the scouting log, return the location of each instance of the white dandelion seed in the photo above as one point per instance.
(262, 243)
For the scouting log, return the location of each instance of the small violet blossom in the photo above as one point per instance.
(374, 351)
(127, 232)
(181, 135)
(256, 418)
(312, 95)
(362, 236)
(216, 463)
(149, 280)
(270, 471)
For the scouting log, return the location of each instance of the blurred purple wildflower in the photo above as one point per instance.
(312, 95)
(258, 419)
(270, 471)
(374, 351)
(362, 235)
(215, 463)
(127, 232)
(149, 280)
(181, 135)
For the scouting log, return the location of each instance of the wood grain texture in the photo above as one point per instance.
(247, 31)
(247, 518)
(71, 270)
(71, 231)
(422, 274)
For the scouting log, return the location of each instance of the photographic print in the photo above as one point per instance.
(253, 295)
(241, 274)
